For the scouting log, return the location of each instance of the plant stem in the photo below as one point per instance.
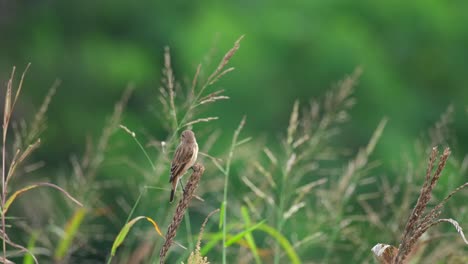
(226, 180)
(279, 220)
(3, 191)
(224, 205)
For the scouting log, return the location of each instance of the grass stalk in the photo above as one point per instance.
(226, 180)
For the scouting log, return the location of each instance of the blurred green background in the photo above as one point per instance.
(413, 54)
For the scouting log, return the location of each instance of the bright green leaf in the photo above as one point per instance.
(71, 228)
(239, 236)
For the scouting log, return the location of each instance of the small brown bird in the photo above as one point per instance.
(184, 158)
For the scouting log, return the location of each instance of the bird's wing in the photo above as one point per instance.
(182, 156)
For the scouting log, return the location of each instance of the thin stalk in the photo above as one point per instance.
(226, 180)
(189, 230)
(334, 235)
(4, 190)
(224, 205)
(282, 197)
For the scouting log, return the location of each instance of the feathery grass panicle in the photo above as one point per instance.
(412, 230)
(218, 72)
(289, 174)
(360, 160)
(38, 124)
(192, 184)
(419, 222)
(20, 156)
(168, 80)
(440, 133)
(8, 110)
(86, 171)
(175, 117)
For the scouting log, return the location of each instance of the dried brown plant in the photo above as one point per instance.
(26, 141)
(192, 184)
(419, 220)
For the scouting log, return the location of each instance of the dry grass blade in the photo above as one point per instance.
(20, 86)
(7, 109)
(192, 184)
(15, 162)
(9, 102)
(456, 225)
(15, 195)
(6, 261)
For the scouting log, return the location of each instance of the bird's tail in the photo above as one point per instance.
(172, 196)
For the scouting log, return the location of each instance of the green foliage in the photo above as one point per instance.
(342, 174)
(70, 232)
(126, 228)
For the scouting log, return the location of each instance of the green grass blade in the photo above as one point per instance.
(214, 241)
(28, 259)
(293, 257)
(70, 231)
(248, 237)
(241, 235)
(124, 232)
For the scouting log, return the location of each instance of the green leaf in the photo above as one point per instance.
(248, 237)
(124, 232)
(15, 194)
(239, 236)
(71, 228)
(282, 241)
(28, 259)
